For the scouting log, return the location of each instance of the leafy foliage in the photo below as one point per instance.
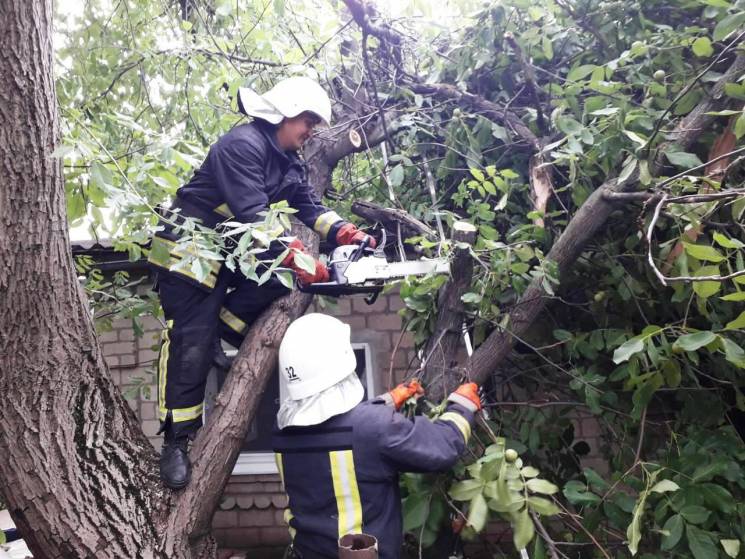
(600, 85)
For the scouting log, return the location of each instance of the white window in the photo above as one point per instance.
(256, 455)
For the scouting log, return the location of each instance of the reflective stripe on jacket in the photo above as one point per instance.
(245, 171)
(342, 476)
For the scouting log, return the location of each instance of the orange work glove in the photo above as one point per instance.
(348, 234)
(398, 396)
(321, 273)
(467, 395)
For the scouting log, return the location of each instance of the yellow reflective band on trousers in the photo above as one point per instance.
(347, 493)
(287, 516)
(177, 414)
(159, 247)
(324, 222)
(223, 210)
(459, 421)
(165, 348)
(235, 323)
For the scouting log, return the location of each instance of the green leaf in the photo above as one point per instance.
(415, 510)
(704, 252)
(692, 342)
(471, 298)
(737, 323)
(683, 160)
(695, 514)
(396, 177)
(548, 49)
(731, 547)
(543, 506)
(285, 278)
(733, 352)
(477, 174)
(737, 296)
(740, 126)
(726, 242)
(664, 486)
(466, 490)
(529, 471)
(634, 531)
(627, 170)
(594, 479)
(580, 72)
(576, 493)
(671, 372)
(705, 289)
(537, 485)
(738, 208)
(629, 348)
(702, 47)
(717, 497)
(100, 175)
(478, 512)
(522, 529)
(673, 529)
(568, 125)
(636, 138)
(728, 25)
(305, 262)
(200, 269)
(701, 543)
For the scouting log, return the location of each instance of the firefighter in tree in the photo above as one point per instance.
(249, 168)
(339, 457)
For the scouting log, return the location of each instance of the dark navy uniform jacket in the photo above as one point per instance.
(341, 476)
(245, 171)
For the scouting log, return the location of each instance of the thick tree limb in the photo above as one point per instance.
(362, 12)
(585, 224)
(491, 110)
(442, 348)
(392, 219)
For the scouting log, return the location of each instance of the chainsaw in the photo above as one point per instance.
(355, 269)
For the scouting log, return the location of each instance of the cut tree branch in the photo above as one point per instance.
(443, 350)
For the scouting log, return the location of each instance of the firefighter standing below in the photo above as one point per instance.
(246, 170)
(340, 458)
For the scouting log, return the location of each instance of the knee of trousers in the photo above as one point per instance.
(187, 364)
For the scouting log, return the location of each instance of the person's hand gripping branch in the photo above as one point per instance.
(467, 395)
(294, 259)
(398, 396)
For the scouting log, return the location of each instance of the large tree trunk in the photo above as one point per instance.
(77, 474)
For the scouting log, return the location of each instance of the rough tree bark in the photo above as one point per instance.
(441, 351)
(76, 472)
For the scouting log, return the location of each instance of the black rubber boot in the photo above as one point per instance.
(175, 467)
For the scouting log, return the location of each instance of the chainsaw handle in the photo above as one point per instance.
(360, 250)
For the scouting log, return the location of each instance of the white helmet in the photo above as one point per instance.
(315, 354)
(317, 371)
(287, 99)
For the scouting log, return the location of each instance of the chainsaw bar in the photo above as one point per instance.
(372, 268)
